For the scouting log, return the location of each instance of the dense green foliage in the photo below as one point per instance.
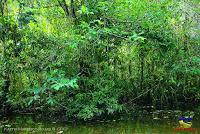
(90, 58)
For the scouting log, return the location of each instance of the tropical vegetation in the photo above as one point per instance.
(94, 58)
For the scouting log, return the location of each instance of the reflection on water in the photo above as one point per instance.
(27, 125)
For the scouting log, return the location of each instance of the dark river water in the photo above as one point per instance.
(26, 124)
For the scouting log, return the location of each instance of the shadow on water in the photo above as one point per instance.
(28, 124)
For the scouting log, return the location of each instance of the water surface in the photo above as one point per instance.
(24, 124)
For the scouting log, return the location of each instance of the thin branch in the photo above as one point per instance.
(115, 35)
(144, 93)
(118, 21)
(49, 6)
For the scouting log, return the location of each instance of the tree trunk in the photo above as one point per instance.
(73, 9)
(142, 69)
(65, 7)
(3, 7)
